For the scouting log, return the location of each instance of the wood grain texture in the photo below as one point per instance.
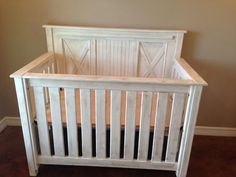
(188, 130)
(160, 120)
(144, 130)
(57, 130)
(129, 125)
(118, 52)
(42, 121)
(71, 121)
(115, 123)
(36, 63)
(100, 123)
(109, 117)
(27, 125)
(86, 126)
(175, 124)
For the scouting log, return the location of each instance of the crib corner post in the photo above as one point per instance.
(27, 124)
(188, 130)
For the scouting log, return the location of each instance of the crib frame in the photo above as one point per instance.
(46, 72)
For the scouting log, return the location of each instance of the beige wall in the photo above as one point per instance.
(210, 45)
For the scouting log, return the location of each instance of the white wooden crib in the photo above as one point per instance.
(111, 98)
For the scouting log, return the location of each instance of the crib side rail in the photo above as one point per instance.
(182, 70)
(43, 64)
(100, 85)
(106, 82)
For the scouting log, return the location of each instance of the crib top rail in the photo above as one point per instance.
(106, 82)
(105, 30)
(33, 65)
(109, 79)
(28, 72)
(188, 70)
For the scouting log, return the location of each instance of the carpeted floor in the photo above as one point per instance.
(211, 157)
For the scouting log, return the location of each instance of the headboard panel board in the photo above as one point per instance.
(116, 52)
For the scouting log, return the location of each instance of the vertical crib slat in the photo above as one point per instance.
(55, 105)
(115, 124)
(144, 131)
(100, 123)
(72, 131)
(46, 90)
(160, 117)
(86, 123)
(129, 125)
(32, 101)
(175, 124)
(42, 121)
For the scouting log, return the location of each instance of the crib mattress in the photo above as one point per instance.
(107, 106)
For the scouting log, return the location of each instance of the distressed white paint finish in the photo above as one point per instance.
(121, 163)
(175, 124)
(77, 55)
(57, 129)
(144, 130)
(32, 102)
(49, 37)
(100, 56)
(86, 126)
(119, 55)
(151, 61)
(116, 52)
(106, 82)
(115, 124)
(178, 72)
(41, 63)
(159, 128)
(130, 115)
(100, 123)
(27, 125)
(42, 121)
(188, 130)
(72, 129)
(116, 57)
(179, 44)
(93, 54)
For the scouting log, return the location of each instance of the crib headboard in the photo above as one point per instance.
(117, 52)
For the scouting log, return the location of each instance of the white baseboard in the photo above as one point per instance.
(200, 130)
(3, 124)
(215, 131)
(9, 121)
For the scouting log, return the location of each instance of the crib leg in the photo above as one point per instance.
(33, 172)
(27, 125)
(188, 133)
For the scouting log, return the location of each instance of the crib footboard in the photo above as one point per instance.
(114, 149)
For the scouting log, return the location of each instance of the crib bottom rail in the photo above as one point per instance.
(57, 160)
